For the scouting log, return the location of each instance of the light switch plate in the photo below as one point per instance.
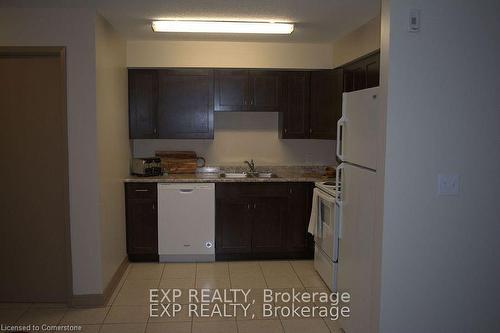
(448, 184)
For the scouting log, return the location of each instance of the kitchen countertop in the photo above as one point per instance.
(284, 174)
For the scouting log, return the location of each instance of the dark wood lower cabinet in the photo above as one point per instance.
(142, 221)
(262, 221)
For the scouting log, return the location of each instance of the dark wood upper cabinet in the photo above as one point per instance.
(294, 118)
(185, 104)
(362, 73)
(141, 221)
(247, 90)
(326, 103)
(231, 90)
(143, 99)
(265, 90)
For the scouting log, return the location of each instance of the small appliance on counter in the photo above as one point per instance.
(146, 166)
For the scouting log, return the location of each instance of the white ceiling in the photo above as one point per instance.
(315, 20)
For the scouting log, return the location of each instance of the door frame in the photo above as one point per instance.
(60, 52)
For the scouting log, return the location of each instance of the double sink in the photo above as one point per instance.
(248, 175)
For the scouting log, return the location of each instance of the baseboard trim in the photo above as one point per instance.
(93, 300)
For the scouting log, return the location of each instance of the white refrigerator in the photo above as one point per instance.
(357, 137)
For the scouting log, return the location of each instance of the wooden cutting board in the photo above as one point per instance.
(178, 161)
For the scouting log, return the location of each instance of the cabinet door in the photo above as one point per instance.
(362, 73)
(326, 103)
(143, 93)
(231, 90)
(141, 222)
(265, 90)
(269, 215)
(233, 227)
(294, 119)
(299, 207)
(185, 104)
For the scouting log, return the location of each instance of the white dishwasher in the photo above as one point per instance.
(186, 222)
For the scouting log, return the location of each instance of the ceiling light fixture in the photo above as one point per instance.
(222, 27)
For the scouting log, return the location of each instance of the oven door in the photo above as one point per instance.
(327, 235)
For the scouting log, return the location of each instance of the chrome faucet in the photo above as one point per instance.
(251, 166)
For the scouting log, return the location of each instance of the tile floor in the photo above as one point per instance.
(128, 309)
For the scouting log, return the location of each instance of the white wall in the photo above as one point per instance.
(357, 43)
(73, 28)
(228, 54)
(440, 257)
(241, 136)
(113, 144)
(238, 136)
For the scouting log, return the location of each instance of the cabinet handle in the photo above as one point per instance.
(310, 131)
(290, 190)
(154, 130)
(154, 206)
(248, 206)
(142, 190)
(286, 130)
(254, 205)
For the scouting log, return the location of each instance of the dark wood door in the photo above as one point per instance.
(265, 89)
(233, 231)
(362, 73)
(143, 97)
(298, 240)
(185, 104)
(326, 103)
(142, 221)
(231, 90)
(294, 118)
(269, 216)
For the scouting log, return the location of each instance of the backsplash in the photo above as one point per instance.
(242, 136)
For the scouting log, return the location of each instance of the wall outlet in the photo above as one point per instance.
(448, 184)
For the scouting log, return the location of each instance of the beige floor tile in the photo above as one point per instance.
(9, 316)
(260, 326)
(333, 325)
(179, 283)
(211, 270)
(179, 270)
(247, 267)
(205, 313)
(127, 314)
(40, 316)
(172, 327)
(135, 292)
(213, 282)
(85, 316)
(221, 326)
(303, 266)
(255, 312)
(145, 271)
(182, 315)
(304, 325)
(123, 328)
(272, 268)
(283, 281)
(312, 280)
(252, 281)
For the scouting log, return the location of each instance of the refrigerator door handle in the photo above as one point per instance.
(340, 134)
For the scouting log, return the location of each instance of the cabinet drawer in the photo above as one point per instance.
(140, 190)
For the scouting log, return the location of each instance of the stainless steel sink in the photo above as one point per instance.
(234, 175)
(248, 175)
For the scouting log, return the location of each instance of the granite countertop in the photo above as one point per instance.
(283, 173)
